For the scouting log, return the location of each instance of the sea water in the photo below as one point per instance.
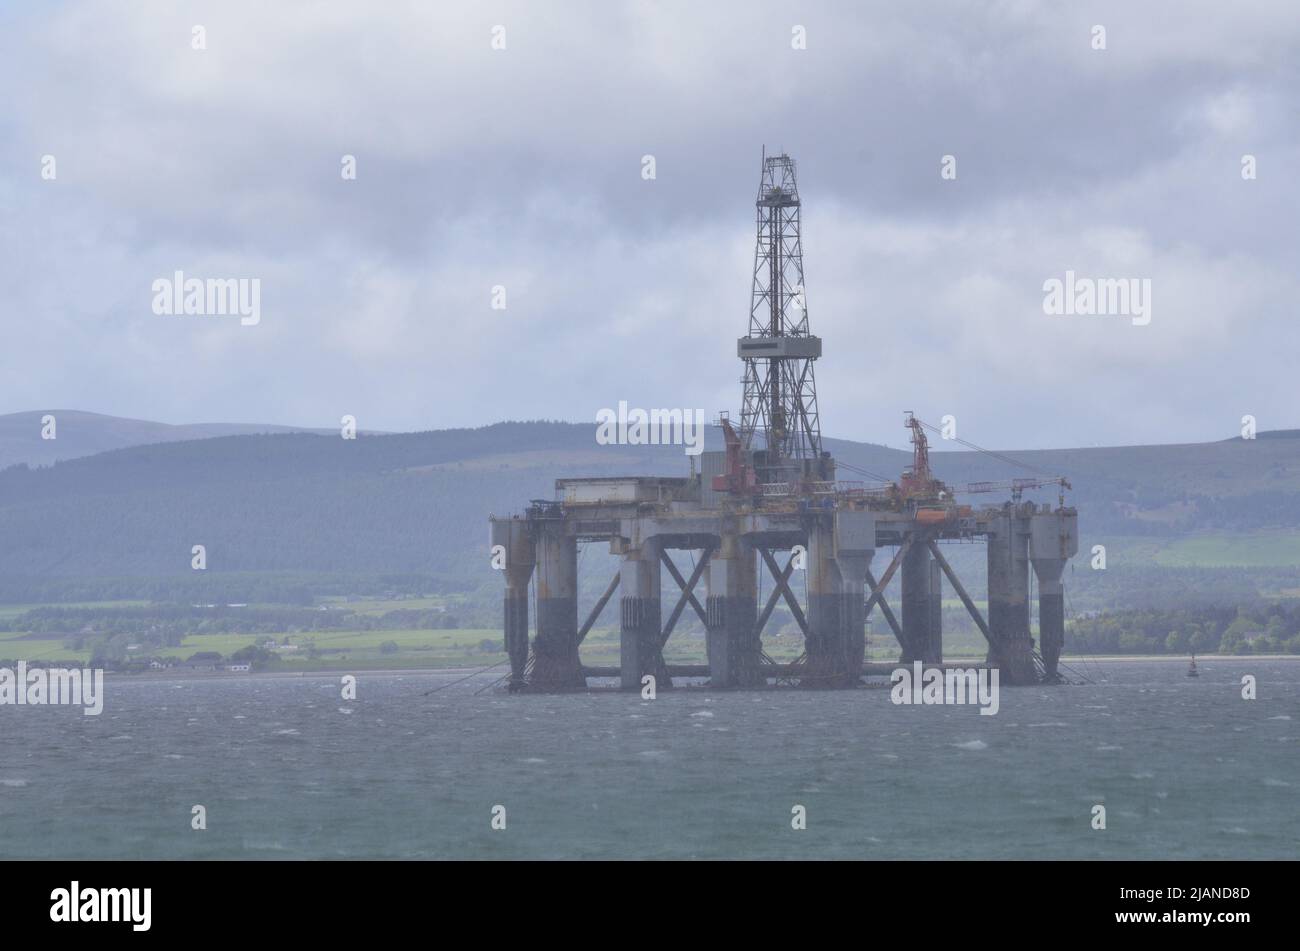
(284, 767)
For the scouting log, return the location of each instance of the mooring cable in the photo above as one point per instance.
(466, 677)
(496, 683)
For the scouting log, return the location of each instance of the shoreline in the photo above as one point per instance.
(176, 674)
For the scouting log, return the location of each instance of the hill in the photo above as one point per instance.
(79, 433)
(415, 504)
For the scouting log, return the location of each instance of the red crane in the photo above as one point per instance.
(918, 481)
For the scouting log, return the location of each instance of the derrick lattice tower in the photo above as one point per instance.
(779, 419)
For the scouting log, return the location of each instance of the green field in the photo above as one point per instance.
(1260, 550)
(449, 648)
(1273, 549)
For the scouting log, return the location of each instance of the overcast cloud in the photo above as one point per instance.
(522, 167)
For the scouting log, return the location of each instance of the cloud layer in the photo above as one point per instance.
(522, 167)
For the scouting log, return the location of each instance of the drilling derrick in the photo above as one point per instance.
(780, 399)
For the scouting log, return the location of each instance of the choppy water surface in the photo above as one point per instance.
(1185, 768)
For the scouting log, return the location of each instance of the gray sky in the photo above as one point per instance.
(522, 167)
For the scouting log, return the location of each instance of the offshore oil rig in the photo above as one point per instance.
(774, 490)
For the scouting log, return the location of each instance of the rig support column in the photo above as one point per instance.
(934, 646)
(916, 620)
(1012, 647)
(735, 658)
(1053, 540)
(641, 622)
(855, 544)
(824, 643)
(510, 541)
(840, 548)
(556, 666)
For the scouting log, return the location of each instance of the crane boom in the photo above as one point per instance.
(1018, 486)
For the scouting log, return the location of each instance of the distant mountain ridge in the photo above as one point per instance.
(79, 433)
(418, 502)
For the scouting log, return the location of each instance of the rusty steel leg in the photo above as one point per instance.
(735, 651)
(556, 667)
(640, 612)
